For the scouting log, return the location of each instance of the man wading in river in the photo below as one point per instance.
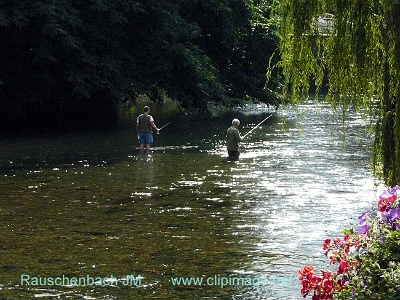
(144, 126)
(232, 140)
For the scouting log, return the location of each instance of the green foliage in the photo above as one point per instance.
(356, 58)
(377, 274)
(72, 59)
(237, 37)
(63, 59)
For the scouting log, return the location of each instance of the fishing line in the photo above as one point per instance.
(257, 126)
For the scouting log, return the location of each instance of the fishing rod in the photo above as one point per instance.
(257, 126)
(158, 132)
(164, 126)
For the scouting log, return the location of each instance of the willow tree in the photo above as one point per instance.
(352, 47)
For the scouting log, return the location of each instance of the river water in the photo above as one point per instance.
(128, 225)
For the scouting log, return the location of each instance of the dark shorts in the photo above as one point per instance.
(233, 154)
(145, 138)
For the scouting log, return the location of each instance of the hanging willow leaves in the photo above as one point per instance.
(358, 52)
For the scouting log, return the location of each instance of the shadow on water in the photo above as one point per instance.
(92, 206)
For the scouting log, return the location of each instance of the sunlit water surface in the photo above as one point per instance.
(91, 205)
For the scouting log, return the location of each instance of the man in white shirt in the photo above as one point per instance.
(144, 127)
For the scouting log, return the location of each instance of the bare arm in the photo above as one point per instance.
(238, 137)
(154, 126)
(137, 127)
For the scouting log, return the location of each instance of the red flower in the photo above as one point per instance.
(341, 284)
(386, 203)
(347, 243)
(326, 246)
(343, 267)
(321, 287)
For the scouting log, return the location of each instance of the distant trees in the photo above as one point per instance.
(68, 59)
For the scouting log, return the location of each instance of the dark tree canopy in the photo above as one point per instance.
(69, 60)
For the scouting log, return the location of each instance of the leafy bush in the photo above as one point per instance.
(368, 259)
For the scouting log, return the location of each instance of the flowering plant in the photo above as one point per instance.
(368, 260)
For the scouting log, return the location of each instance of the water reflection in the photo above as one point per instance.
(104, 209)
(302, 188)
(145, 166)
